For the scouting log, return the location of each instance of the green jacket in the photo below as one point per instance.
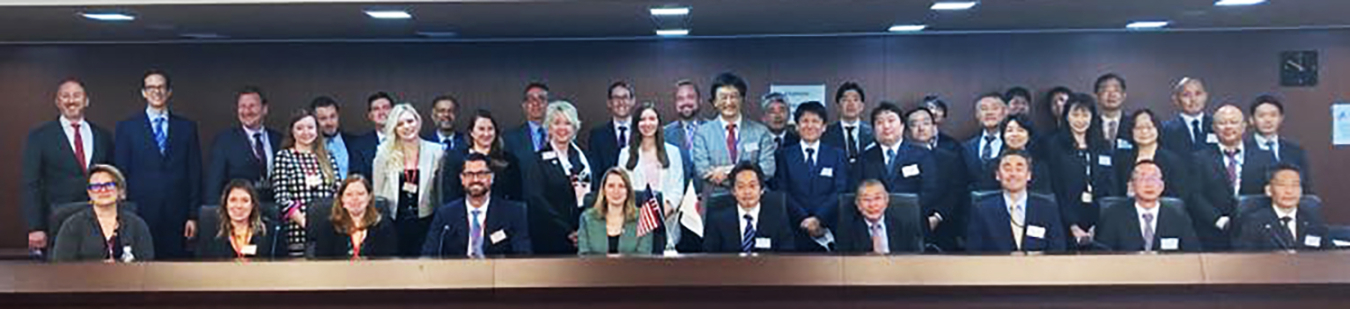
(593, 239)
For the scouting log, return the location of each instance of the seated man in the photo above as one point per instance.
(469, 227)
(751, 226)
(1281, 222)
(1144, 223)
(1014, 221)
(869, 229)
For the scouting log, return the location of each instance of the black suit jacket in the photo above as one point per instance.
(361, 153)
(457, 140)
(603, 147)
(722, 230)
(1070, 178)
(1260, 229)
(904, 232)
(989, 230)
(449, 232)
(553, 211)
(1214, 194)
(51, 175)
(381, 240)
(1119, 228)
(926, 182)
(211, 247)
(1175, 135)
(232, 158)
(834, 136)
(790, 138)
(1292, 153)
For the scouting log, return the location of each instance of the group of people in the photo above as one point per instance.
(1098, 178)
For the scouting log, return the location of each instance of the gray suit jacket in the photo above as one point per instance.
(675, 136)
(755, 144)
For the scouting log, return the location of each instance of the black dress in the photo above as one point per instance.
(381, 241)
(412, 230)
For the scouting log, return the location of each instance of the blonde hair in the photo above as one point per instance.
(601, 204)
(392, 147)
(562, 109)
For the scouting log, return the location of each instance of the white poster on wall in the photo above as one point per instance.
(1340, 124)
(798, 94)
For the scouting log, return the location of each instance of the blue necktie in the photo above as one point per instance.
(811, 158)
(748, 239)
(890, 161)
(161, 134)
(539, 138)
(475, 235)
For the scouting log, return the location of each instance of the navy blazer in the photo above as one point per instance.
(1070, 171)
(1119, 228)
(232, 158)
(834, 136)
(722, 231)
(1292, 153)
(449, 232)
(51, 176)
(361, 153)
(1214, 194)
(976, 167)
(166, 187)
(810, 190)
(603, 147)
(1260, 229)
(1175, 135)
(926, 182)
(1042, 180)
(904, 233)
(458, 140)
(989, 230)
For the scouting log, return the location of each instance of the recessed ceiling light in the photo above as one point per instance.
(108, 16)
(907, 28)
(388, 14)
(670, 11)
(1147, 24)
(1238, 2)
(672, 32)
(953, 5)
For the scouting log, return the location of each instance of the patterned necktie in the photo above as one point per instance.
(1232, 167)
(878, 239)
(748, 238)
(161, 134)
(689, 135)
(987, 152)
(1148, 232)
(731, 142)
(475, 235)
(541, 138)
(79, 148)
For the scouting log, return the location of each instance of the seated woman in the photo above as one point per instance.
(610, 226)
(357, 228)
(104, 232)
(242, 233)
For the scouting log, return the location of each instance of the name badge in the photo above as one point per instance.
(549, 155)
(909, 170)
(313, 180)
(763, 243)
(1170, 244)
(827, 172)
(410, 187)
(497, 236)
(1312, 241)
(751, 147)
(1104, 160)
(1035, 231)
(1211, 138)
(1340, 243)
(1087, 197)
(249, 250)
(1124, 144)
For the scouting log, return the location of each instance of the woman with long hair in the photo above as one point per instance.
(242, 232)
(609, 226)
(405, 170)
(484, 138)
(1080, 164)
(302, 172)
(355, 227)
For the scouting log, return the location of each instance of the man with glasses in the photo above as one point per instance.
(477, 226)
(606, 140)
(160, 155)
(1145, 223)
(56, 157)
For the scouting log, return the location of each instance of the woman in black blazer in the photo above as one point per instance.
(1176, 172)
(1080, 165)
(104, 231)
(242, 233)
(1018, 135)
(356, 228)
(484, 138)
(564, 178)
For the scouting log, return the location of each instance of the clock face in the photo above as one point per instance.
(1298, 68)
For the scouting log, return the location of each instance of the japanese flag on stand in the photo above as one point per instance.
(691, 216)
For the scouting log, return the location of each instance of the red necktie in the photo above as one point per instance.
(1232, 167)
(79, 148)
(731, 142)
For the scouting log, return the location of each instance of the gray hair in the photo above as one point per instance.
(772, 97)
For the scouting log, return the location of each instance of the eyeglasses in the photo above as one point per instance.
(157, 87)
(102, 186)
(478, 174)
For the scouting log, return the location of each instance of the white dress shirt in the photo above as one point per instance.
(1292, 213)
(754, 218)
(266, 143)
(86, 138)
(814, 155)
(482, 219)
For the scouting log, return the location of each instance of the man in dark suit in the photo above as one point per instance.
(1191, 130)
(1225, 171)
(243, 152)
(160, 155)
(812, 175)
(526, 140)
(850, 133)
(1281, 221)
(56, 158)
(477, 226)
(868, 228)
(775, 117)
(444, 110)
(1267, 115)
(990, 110)
(340, 144)
(936, 109)
(1014, 220)
(902, 166)
(1144, 223)
(378, 106)
(752, 225)
(947, 172)
(1110, 91)
(606, 140)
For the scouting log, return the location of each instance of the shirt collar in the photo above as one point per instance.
(880, 221)
(1280, 212)
(65, 123)
(855, 123)
(753, 212)
(895, 147)
(250, 132)
(618, 123)
(1106, 118)
(441, 136)
(813, 146)
(152, 113)
(468, 207)
(1262, 139)
(1021, 200)
(1224, 149)
(1141, 210)
(1189, 119)
(737, 122)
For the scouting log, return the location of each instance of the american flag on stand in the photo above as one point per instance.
(649, 217)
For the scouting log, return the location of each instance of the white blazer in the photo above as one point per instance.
(387, 186)
(672, 186)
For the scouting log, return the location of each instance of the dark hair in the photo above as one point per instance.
(728, 80)
(839, 93)
(319, 147)
(445, 97)
(1148, 162)
(617, 84)
(159, 72)
(1097, 86)
(1152, 118)
(474, 156)
(534, 85)
(378, 95)
(1010, 153)
(255, 222)
(936, 102)
(1280, 167)
(1265, 99)
(917, 110)
(1023, 121)
(690, 83)
(1049, 98)
(496, 151)
(744, 166)
(1094, 137)
(995, 95)
(72, 79)
(323, 101)
(813, 107)
(1017, 91)
(887, 107)
(251, 90)
(635, 144)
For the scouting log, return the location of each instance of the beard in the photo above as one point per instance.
(477, 190)
(689, 114)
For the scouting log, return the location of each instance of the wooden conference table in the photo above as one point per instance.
(1210, 280)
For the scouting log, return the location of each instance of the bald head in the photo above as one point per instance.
(1229, 125)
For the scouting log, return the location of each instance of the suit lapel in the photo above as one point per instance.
(60, 133)
(893, 237)
(1136, 236)
(1000, 216)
